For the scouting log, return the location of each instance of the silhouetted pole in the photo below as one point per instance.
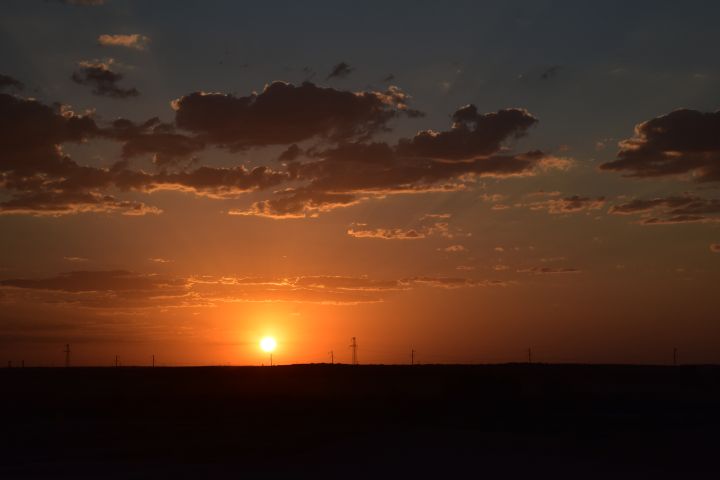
(529, 355)
(67, 354)
(22, 363)
(9, 363)
(353, 345)
(153, 361)
(271, 359)
(675, 356)
(412, 357)
(332, 357)
(116, 361)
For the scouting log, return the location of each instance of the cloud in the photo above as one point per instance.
(7, 81)
(55, 204)
(75, 259)
(341, 70)
(550, 72)
(159, 260)
(360, 230)
(426, 227)
(343, 168)
(120, 289)
(134, 41)
(453, 249)
(284, 114)
(572, 204)
(543, 270)
(671, 210)
(715, 247)
(474, 147)
(104, 82)
(472, 135)
(84, 3)
(683, 142)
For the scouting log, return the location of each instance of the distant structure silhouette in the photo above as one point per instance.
(412, 356)
(529, 355)
(67, 355)
(675, 356)
(332, 357)
(354, 346)
(116, 360)
(153, 364)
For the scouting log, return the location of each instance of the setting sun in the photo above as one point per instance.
(268, 344)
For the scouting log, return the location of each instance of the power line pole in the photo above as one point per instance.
(153, 360)
(529, 355)
(116, 361)
(412, 357)
(675, 356)
(332, 357)
(67, 354)
(354, 346)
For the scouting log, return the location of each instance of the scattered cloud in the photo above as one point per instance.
(671, 210)
(75, 259)
(426, 227)
(120, 289)
(453, 249)
(573, 204)
(550, 72)
(102, 79)
(7, 81)
(134, 41)
(341, 70)
(683, 142)
(543, 270)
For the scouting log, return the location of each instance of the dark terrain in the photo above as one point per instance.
(503, 421)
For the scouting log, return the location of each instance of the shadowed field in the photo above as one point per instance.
(504, 421)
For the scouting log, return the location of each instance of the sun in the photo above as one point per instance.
(268, 344)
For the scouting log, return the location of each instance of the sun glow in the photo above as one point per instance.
(268, 344)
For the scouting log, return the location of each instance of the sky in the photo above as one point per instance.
(468, 180)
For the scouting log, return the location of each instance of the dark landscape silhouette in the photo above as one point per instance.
(299, 421)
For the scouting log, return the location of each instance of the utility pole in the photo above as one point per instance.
(153, 360)
(412, 357)
(67, 354)
(116, 361)
(675, 356)
(332, 357)
(529, 355)
(271, 359)
(354, 346)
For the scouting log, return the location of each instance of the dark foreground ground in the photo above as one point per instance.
(505, 421)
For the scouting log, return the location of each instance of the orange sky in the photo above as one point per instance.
(185, 200)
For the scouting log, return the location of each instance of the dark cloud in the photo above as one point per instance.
(7, 81)
(43, 180)
(341, 70)
(57, 203)
(283, 114)
(671, 210)
(345, 174)
(550, 72)
(472, 135)
(103, 80)
(683, 142)
(161, 140)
